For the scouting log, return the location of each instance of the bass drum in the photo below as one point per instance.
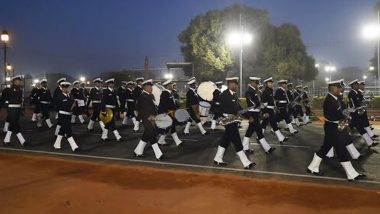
(181, 115)
(157, 94)
(163, 121)
(206, 89)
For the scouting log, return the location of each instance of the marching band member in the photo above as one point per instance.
(254, 100)
(14, 96)
(109, 101)
(44, 100)
(192, 105)
(65, 102)
(333, 114)
(136, 94)
(269, 114)
(147, 111)
(289, 92)
(121, 96)
(56, 92)
(79, 98)
(282, 103)
(298, 112)
(175, 94)
(129, 104)
(364, 116)
(34, 101)
(230, 104)
(168, 106)
(355, 102)
(215, 105)
(95, 101)
(306, 103)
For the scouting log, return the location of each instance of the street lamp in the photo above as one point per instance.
(365, 77)
(240, 38)
(35, 81)
(371, 68)
(330, 69)
(316, 65)
(168, 76)
(5, 39)
(372, 32)
(327, 79)
(82, 79)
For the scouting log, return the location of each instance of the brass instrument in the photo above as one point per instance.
(343, 124)
(231, 118)
(108, 117)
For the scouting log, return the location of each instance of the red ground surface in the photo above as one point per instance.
(37, 184)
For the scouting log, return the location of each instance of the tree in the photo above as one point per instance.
(276, 51)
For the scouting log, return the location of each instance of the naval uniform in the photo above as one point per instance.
(121, 95)
(344, 135)
(64, 105)
(282, 103)
(146, 108)
(297, 99)
(130, 103)
(332, 111)
(268, 101)
(192, 99)
(355, 102)
(306, 103)
(12, 97)
(136, 94)
(176, 97)
(45, 101)
(110, 101)
(215, 104)
(34, 100)
(168, 106)
(95, 99)
(254, 100)
(79, 98)
(229, 104)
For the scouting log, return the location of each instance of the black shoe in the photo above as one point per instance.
(6, 144)
(76, 150)
(162, 157)
(270, 151)
(375, 136)
(249, 151)
(135, 131)
(26, 143)
(206, 133)
(137, 156)
(187, 134)
(372, 128)
(57, 149)
(315, 173)
(220, 163)
(251, 165)
(373, 144)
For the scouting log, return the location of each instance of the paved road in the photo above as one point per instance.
(288, 161)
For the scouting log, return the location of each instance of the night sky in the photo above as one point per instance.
(90, 36)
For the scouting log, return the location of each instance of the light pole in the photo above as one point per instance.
(240, 38)
(4, 39)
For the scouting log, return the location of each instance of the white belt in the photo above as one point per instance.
(96, 101)
(130, 100)
(64, 112)
(14, 105)
(45, 102)
(282, 101)
(271, 107)
(254, 110)
(110, 106)
(336, 121)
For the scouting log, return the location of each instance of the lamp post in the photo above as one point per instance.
(5, 39)
(240, 38)
(9, 70)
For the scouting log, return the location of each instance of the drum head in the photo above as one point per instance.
(205, 104)
(181, 115)
(163, 121)
(157, 94)
(205, 90)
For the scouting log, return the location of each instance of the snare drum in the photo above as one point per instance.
(204, 108)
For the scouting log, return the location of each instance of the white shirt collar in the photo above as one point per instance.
(146, 92)
(336, 98)
(252, 87)
(282, 88)
(109, 88)
(232, 92)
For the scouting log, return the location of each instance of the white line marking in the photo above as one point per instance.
(190, 165)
